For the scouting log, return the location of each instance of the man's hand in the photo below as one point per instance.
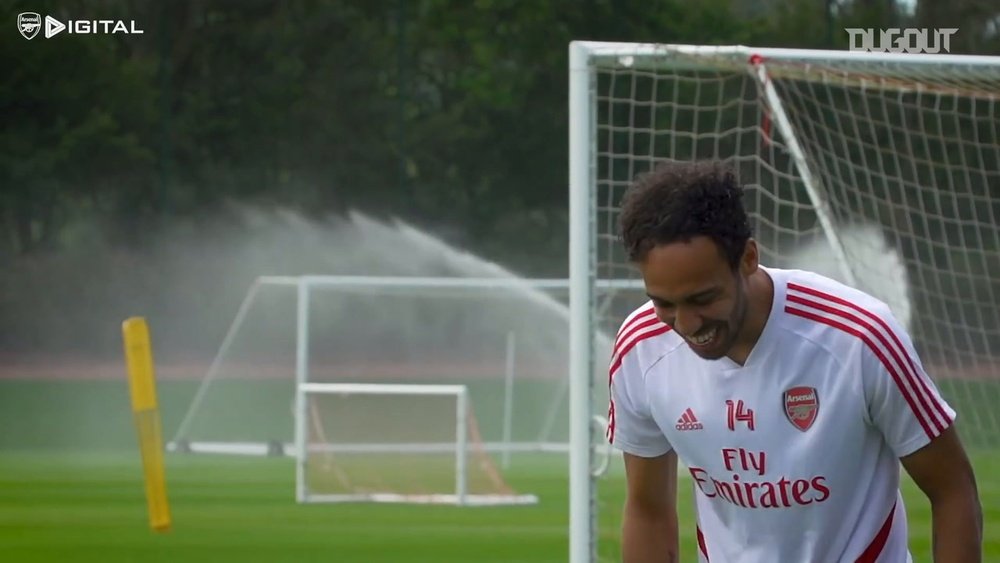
(942, 471)
(649, 526)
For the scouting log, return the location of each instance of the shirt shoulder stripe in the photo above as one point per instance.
(925, 392)
(643, 334)
(642, 313)
(638, 326)
(881, 340)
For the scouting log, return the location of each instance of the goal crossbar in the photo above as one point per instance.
(655, 53)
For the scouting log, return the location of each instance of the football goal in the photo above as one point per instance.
(881, 170)
(382, 447)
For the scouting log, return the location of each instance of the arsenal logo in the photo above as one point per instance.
(28, 23)
(801, 406)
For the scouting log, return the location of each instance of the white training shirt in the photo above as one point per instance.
(795, 455)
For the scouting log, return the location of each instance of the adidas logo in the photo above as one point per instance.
(688, 421)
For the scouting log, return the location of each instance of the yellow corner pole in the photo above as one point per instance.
(142, 385)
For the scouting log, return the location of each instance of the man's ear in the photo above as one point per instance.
(750, 259)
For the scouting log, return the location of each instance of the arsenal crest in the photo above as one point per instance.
(28, 23)
(801, 406)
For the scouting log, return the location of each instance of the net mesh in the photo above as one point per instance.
(907, 158)
(904, 156)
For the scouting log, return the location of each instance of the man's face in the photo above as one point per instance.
(697, 292)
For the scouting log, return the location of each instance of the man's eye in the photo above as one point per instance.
(703, 300)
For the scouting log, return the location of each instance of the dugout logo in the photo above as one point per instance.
(30, 23)
(897, 40)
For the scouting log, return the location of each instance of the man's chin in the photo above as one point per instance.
(707, 354)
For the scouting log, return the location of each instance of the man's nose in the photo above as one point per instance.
(687, 321)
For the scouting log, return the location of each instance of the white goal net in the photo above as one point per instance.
(880, 170)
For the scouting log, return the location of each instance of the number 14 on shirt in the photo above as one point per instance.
(736, 412)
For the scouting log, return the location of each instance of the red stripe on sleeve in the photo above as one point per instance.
(871, 345)
(923, 392)
(618, 360)
(631, 331)
(629, 322)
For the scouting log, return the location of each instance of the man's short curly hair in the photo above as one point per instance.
(677, 201)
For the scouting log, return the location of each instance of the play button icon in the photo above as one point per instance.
(53, 26)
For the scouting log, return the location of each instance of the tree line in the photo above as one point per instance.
(446, 112)
(451, 114)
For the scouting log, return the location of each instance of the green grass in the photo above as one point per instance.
(71, 490)
(89, 507)
(79, 507)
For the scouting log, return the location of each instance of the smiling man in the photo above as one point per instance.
(791, 399)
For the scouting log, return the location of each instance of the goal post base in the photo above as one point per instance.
(287, 449)
(394, 498)
(261, 449)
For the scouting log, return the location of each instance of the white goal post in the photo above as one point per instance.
(502, 339)
(299, 296)
(880, 170)
(513, 355)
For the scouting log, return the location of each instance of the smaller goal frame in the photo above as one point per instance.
(461, 496)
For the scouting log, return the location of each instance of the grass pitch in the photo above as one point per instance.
(71, 490)
(89, 507)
